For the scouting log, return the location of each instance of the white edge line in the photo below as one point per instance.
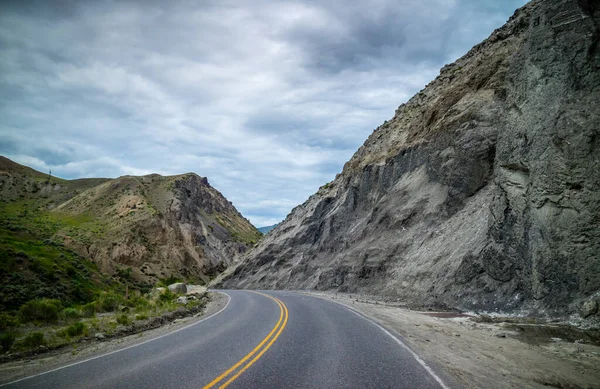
(126, 348)
(401, 343)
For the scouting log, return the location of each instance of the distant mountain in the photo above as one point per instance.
(176, 226)
(265, 230)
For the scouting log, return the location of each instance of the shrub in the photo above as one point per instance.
(45, 310)
(76, 329)
(168, 281)
(141, 316)
(123, 319)
(138, 303)
(8, 321)
(34, 339)
(89, 310)
(167, 296)
(70, 313)
(109, 302)
(7, 339)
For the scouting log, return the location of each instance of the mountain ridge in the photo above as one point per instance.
(159, 226)
(265, 230)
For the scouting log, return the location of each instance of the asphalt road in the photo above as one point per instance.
(260, 340)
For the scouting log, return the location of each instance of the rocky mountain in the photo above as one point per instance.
(159, 227)
(266, 229)
(482, 192)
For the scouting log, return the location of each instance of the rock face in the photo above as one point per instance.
(154, 225)
(482, 192)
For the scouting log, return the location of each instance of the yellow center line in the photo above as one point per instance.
(283, 311)
(233, 378)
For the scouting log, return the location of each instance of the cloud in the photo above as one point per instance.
(266, 99)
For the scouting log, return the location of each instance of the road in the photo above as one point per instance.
(259, 340)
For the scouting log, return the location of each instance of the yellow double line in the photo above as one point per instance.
(244, 364)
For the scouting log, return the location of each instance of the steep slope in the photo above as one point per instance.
(177, 226)
(482, 192)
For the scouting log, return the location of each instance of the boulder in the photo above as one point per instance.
(182, 300)
(159, 291)
(589, 308)
(178, 288)
(99, 336)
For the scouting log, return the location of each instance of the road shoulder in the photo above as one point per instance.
(480, 354)
(14, 370)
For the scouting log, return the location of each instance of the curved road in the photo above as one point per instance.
(259, 340)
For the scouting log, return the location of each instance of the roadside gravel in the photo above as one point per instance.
(488, 355)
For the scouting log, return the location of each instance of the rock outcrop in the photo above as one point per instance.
(482, 192)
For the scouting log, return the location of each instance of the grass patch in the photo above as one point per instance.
(109, 302)
(89, 310)
(76, 329)
(44, 310)
(7, 339)
(123, 319)
(35, 339)
(167, 296)
(35, 265)
(70, 314)
(141, 316)
(8, 321)
(165, 282)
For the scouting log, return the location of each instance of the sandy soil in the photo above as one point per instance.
(14, 370)
(488, 355)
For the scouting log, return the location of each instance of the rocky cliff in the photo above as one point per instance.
(158, 226)
(482, 192)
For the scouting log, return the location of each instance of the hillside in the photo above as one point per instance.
(480, 193)
(147, 228)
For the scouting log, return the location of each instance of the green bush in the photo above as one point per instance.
(89, 310)
(139, 303)
(70, 314)
(34, 339)
(76, 329)
(7, 339)
(168, 281)
(141, 316)
(167, 296)
(8, 321)
(123, 319)
(109, 302)
(45, 310)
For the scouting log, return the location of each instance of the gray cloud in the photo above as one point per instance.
(267, 99)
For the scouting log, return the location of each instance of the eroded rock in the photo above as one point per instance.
(481, 193)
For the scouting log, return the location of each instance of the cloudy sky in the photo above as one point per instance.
(267, 99)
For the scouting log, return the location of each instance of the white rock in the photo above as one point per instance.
(178, 288)
(159, 291)
(588, 308)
